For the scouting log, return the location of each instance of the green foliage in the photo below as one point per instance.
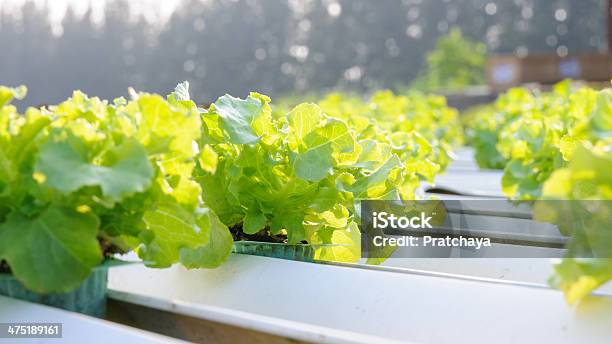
(52, 251)
(87, 170)
(66, 167)
(414, 133)
(587, 177)
(167, 178)
(301, 172)
(557, 146)
(530, 135)
(425, 116)
(484, 124)
(542, 140)
(456, 62)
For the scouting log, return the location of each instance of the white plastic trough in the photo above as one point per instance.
(463, 160)
(76, 328)
(464, 177)
(470, 183)
(338, 304)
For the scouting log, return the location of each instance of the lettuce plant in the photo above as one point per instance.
(87, 178)
(426, 115)
(558, 146)
(586, 181)
(542, 140)
(484, 124)
(301, 175)
(530, 135)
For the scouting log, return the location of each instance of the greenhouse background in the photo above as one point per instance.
(274, 47)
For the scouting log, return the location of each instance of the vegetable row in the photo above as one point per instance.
(87, 178)
(557, 145)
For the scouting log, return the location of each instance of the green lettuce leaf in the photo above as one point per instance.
(170, 229)
(52, 252)
(238, 116)
(125, 169)
(218, 248)
(9, 93)
(577, 278)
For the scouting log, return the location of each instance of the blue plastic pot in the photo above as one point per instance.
(301, 252)
(89, 298)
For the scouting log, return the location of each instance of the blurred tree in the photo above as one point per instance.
(224, 46)
(455, 63)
